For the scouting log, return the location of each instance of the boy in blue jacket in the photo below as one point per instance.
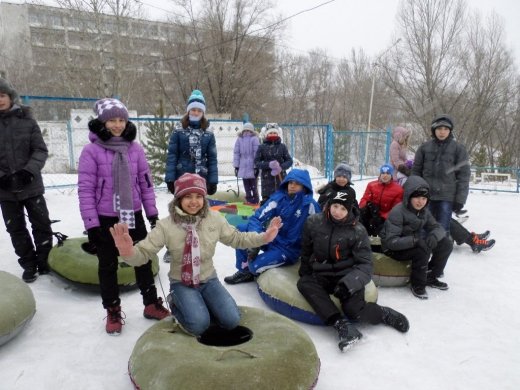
(293, 202)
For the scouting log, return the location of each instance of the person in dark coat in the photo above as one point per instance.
(380, 197)
(192, 148)
(341, 182)
(412, 233)
(293, 202)
(244, 153)
(22, 156)
(114, 185)
(444, 164)
(336, 259)
(477, 241)
(273, 160)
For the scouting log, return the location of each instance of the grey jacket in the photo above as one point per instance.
(21, 147)
(404, 224)
(446, 168)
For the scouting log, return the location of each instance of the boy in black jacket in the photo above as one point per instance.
(22, 156)
(336, 259)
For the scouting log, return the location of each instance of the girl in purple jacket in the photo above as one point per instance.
(114, 182)
(244, 152)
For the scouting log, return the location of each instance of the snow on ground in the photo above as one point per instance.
(463, 338)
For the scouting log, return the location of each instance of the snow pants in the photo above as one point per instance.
(30, 255)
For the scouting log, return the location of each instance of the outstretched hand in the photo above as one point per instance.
(272, 230)
(122, 239)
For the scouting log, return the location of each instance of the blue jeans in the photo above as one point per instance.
(194, 308)
(441, 211)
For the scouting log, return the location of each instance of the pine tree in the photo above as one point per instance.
(156, 146)
(480, 160)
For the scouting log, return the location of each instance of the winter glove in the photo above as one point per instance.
(95, 235)
(171, 186)
(4, 182)
(420, 243)
(236, 172)
(305, 268)
(16, 182)
(89, 247)
(404, 170)
(275, 168)
(431, 241)
(153, 221)
(256, 172)
(211, 188)
(457, 207)
(341, 291)
(252, 253)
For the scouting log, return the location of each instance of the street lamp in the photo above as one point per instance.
(374, 64)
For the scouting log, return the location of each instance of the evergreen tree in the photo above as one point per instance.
(156, 146)
(480, 160)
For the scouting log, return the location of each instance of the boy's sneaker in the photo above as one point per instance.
(347, 333)
(156, 311)
(482, 236)
(436, 283)
(478, 244)
(29, 275)
(395, 319)
(115, 320)
(419, 291)
(240, 277)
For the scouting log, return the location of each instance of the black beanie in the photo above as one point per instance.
(7, 88)
(343, 198)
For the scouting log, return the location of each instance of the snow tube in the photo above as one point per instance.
(389, 272)
(236, 213)
(71, 262)
(17, 306)
(277, 287)
(277, 354)
(231, 195)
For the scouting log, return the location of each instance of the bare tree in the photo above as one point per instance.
(451, 61)
(106, 23)
(226, 49)
(424, 69)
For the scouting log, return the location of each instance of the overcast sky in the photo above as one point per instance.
(340, 25)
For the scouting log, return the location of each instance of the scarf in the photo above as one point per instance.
(194, 138)
(122, 197)
(190, 270)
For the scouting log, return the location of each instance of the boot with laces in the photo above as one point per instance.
(478, 244)
(115, 320)
(482, 236)
(156, 311)
(240, 277)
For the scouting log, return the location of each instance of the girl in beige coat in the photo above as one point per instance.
(191, 233)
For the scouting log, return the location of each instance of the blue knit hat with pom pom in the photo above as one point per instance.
(196, 100)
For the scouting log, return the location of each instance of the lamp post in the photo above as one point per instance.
(374, 64)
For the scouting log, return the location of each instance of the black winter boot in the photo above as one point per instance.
(395, 319)
(29, 274)
(347, 333)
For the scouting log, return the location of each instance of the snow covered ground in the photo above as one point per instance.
(463, 338)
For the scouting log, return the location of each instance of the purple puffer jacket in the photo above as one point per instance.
(246, 146)
(95, 182)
